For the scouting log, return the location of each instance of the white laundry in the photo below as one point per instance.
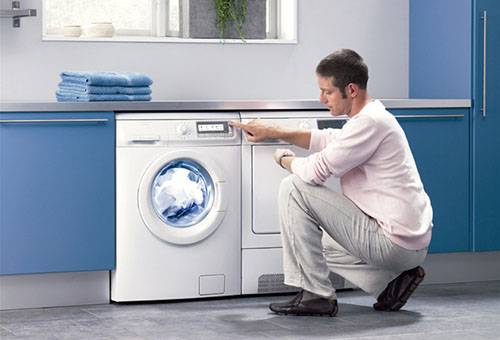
(178, 191)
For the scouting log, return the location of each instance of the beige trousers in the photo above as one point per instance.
(324, 231)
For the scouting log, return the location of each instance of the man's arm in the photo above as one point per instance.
(257, 131)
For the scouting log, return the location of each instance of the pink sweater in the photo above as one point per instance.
(377, 172)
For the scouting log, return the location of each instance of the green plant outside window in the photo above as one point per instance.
(229, 13)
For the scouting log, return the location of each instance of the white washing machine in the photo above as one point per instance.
(178, 226)
(262, 266)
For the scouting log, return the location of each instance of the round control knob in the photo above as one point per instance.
(304, 125)
(183, 129)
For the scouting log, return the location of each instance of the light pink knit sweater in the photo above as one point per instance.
(377, 172)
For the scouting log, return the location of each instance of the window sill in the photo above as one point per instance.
(143, 39)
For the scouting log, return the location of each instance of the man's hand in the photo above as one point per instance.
(257, 130)
(280, 153)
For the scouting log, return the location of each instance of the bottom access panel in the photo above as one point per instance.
(262, 273)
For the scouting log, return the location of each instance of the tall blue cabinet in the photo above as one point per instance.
(486, 124)
(454, 53)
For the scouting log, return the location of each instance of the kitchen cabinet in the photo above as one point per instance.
(486, 125)
(57, 192)
(439, 140)
(453, 48)
(439, 53)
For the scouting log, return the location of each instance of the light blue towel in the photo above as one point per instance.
(107, 78)
(92, 89)
(66, 97)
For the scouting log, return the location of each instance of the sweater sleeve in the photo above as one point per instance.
(355, 144)
(320, 138)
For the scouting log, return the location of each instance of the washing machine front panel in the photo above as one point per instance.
(157, 261)
(181, 197)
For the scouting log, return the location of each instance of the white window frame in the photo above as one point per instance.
(281, 18)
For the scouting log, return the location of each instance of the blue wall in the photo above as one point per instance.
(440, 48)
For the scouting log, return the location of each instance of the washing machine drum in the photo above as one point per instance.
(181, 199)
(182, 193)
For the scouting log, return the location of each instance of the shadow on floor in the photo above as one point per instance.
(351, 319)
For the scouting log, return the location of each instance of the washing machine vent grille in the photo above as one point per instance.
(274, 283)
(337, 281)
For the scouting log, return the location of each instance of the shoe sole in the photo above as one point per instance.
(307, 314)
(406, 295)
(331, 314)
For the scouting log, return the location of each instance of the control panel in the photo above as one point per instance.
(214, 129)
(175, 132)
(191, 129)
(299, 123)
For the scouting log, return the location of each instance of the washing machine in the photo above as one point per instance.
(178, 205)
(262, 265)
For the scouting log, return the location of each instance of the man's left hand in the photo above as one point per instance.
(280, 153)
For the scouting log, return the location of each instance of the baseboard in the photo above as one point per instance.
(83, 288)
(55, 289)
(462, 267)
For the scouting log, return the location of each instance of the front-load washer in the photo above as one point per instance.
(262, 268)
(178, 226)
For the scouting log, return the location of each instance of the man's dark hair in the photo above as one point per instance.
(345, 66)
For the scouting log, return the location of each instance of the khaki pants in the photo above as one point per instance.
(353, 245)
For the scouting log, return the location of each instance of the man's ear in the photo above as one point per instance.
(352, 90)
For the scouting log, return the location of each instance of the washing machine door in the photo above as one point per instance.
(181, 197)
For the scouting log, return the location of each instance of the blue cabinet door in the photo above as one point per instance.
(56, 192)
(440, 146)
(440, 43)
(486, 123)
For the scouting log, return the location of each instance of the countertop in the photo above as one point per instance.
(214, 105)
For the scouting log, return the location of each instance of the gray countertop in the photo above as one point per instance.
(215, 105)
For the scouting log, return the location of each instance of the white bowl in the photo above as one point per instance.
(100, 29)
(72, 31)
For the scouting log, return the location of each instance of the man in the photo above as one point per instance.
(379, 226)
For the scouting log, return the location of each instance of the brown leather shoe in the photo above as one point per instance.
(399, 290)
(313, 307)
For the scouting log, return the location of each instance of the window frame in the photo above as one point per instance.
(160, 30)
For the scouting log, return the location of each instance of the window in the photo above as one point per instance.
(129, 17)
(150, 20)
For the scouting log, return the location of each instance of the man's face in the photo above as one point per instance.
(332, 97)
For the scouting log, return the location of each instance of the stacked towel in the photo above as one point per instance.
(103, 86)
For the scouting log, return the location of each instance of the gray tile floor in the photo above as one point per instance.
(451, 311)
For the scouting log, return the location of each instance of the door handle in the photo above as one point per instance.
(485, 34)
(31, 121)
(429, 116)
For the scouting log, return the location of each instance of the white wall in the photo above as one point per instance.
(377, 29)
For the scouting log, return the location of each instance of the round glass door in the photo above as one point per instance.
(182, 193)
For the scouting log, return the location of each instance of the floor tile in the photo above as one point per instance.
(43, 314)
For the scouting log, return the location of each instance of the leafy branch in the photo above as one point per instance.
(228, 13)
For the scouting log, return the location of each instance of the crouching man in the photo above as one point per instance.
(379, 226)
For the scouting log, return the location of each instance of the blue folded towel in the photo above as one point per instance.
(92, 89)
(70, 97)
(107, 78)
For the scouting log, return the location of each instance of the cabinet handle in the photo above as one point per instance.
(430, 116)
(485, 31)
(88, 120)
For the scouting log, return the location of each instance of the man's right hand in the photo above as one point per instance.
(257, 130)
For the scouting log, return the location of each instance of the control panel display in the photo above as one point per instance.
(212, 127)
(331, 123)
